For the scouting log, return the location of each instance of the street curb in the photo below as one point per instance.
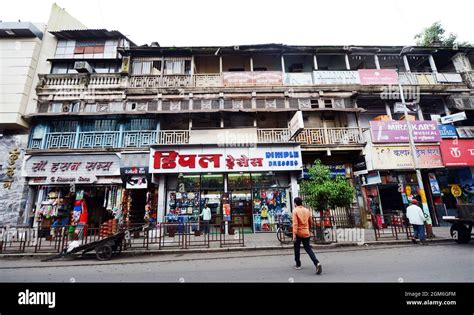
(318, 247)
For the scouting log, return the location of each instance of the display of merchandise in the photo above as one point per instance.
(108, 228)
(184, 203)
(268, 206)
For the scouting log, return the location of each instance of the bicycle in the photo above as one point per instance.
(284, 231)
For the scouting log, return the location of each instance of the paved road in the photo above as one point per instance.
(434, 263)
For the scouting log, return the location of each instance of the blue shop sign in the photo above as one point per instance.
(447, 131)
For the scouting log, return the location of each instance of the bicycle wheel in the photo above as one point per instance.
(282, 237)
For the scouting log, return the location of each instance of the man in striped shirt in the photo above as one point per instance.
(301, 234)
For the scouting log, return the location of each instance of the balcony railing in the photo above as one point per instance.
(334, 136)
(97, 80)
(208, 80)
(153, 81)
(273, 135)
(173, 137)
(143, 139)
(60, 140)
(139, 139)
(92, 140)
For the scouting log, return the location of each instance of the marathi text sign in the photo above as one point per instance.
(399, 157)
(397, 131)
(378, 77)
(74, 166)
(458, 152)
(202, 159)
(335, 77)
(246, 78)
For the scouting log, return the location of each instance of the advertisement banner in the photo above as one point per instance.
(399, 157)
(245, 78)
(215, 159)
(447, 131)
(458, 152)
(397, 131)
(335, 77)
(378, 76)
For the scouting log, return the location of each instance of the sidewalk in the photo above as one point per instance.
(269, 241)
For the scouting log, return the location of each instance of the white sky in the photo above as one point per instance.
(221, 22)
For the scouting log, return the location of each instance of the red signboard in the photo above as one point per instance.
(458, 152)
(378, 76)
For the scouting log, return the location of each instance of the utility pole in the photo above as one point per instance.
(426, 211)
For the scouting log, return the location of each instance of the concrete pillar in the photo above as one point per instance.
(283, 64)
(220, 64)
(377, 62)
(315, 62)
(432, 64)
(405, 62)
(251, 64)
(348, 65)
(294, 189)
(160, 215)
(76, 139)
(420, 113)
(387, 109)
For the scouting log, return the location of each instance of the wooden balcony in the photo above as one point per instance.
(280, 135)
(154, 82)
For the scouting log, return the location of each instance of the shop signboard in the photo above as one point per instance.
(397, 131)
(136, 182)
(458, 152)
(71, 169)
(378, 76)
(465, 132)
(447, 131)
(224, 159)
(335, 77)
(399, 157)
(453, 118)
(371, 178)
(296, 124)
(434, 184)
(247, 78)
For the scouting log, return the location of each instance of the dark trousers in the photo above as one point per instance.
(419, 231)
(307, 248)
(206, 226)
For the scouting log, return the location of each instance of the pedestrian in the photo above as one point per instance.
(206, 217)
(301, 234)
(417, 219)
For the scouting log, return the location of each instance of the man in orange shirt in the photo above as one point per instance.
(301, 234)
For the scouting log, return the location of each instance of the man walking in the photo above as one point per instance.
(417, 219)
(206, 217)
(301, 234)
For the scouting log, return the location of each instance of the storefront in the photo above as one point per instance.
(256, 183)
(68, 186)
(454, 183)
(390, 181)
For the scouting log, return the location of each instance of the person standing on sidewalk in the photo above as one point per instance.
(417, 219)
(206, 217)
(301, 234)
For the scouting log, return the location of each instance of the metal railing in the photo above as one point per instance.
(173, 137)
(60, 140)
(104, 139)
(273, 135)
(139, 139)
(322, 136)
(390, 226)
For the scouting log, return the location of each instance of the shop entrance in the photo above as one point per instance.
(137, 210)
(391, 199)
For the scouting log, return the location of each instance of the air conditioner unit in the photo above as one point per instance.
(83, 67)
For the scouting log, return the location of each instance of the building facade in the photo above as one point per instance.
(140, 132)
(24, 50)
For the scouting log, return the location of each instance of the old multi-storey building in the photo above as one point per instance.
(150, 131)
(24, 50)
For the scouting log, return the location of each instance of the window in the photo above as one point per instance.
(63, 126)
(362, 62)
(177, 66)
(89, 47)
(100, 125)
(146, 67)
(56, 107)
